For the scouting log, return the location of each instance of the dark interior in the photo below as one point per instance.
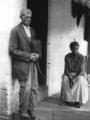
(40, 23)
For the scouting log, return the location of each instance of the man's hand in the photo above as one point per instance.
(34, 56)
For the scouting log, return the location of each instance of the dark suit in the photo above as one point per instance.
(23, 68)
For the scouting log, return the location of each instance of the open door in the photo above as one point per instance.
(39, 23)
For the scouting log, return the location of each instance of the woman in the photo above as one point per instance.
(74, 84)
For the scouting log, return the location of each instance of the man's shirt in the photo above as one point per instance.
(27, 30)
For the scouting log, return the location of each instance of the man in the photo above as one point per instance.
(74, 84)
(24, 63)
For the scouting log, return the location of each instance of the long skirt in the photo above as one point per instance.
(77, 93)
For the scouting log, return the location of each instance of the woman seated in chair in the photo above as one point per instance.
(74, 84)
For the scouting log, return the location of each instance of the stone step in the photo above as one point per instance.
(43, 92)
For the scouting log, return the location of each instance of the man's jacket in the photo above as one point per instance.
(20, 48)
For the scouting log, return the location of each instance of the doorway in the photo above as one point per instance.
(40, 24)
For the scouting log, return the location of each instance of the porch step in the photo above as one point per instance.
(43, 92)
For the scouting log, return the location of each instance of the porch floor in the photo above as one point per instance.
(50, 109)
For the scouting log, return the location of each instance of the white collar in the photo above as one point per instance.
(26, 27)
(27, 30)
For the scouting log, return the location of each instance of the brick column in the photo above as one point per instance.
(9, 17)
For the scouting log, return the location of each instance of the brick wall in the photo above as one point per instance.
(3, 97)
(9, 16)
(62, 29)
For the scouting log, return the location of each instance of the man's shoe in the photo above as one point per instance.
(24, 115)
(31, 114)
(77, 104)
(69, 103)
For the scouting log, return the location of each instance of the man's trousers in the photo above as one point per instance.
(28, 94)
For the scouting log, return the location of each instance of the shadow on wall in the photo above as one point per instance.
(78, 10)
